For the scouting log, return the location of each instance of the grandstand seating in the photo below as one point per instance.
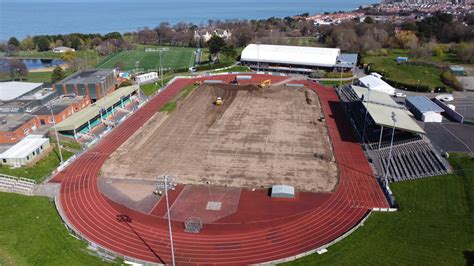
(412, 155)
(17, 185)
(409, 161)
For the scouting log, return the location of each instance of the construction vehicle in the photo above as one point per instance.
(198, 83)
(218, 101)
(265, 83)
(235, 81)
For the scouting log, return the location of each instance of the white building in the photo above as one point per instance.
(299, 59)
(26, 152)
(12, 90)
(206, 35)
(143, 78)
(63, 49)
(376, 84)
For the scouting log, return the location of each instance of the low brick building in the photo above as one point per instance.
(63, 108)
(15, 127)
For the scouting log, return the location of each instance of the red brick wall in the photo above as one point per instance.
(20, 133)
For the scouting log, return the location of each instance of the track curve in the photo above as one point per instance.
(146, 237)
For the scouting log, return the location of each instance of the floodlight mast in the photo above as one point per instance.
(161, 50)
(394, 119)
(168, 183)
(366, 113)
(50, 107)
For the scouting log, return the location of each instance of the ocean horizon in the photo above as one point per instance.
(35, 17)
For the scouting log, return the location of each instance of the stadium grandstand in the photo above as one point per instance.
(97, 117)
(370, 114)
(296, 59)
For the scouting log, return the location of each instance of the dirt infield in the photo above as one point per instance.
(256, 139)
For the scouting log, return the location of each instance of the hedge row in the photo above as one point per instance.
(213, 66)
(448, 78)
(408, 86)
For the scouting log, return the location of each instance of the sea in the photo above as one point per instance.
(20, 18)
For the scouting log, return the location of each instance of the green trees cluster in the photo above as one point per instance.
(58, 74)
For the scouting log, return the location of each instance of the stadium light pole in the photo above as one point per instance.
(366, 113)
(56, 133)
(258, 56)
(168, 184)
(394, 119)
(161, 50)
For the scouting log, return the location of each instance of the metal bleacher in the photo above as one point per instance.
(412, 154)
(416, 159)
(17, 184)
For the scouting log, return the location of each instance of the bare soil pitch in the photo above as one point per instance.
(258, 138)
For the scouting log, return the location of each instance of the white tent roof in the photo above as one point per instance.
(13, 89)
(24, 148)
(377, 84)
(298, 55)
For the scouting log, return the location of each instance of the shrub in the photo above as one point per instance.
(318, 74)
(448, 78)
(407, 86)
(338, 75)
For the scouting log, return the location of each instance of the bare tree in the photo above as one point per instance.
(17, 67)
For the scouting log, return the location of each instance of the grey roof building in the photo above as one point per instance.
(91, 82)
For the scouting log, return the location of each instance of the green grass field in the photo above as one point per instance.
(175, 58)
(427, 75)
(41, 77)
(150, 88)
(31, 233)
(434, 225)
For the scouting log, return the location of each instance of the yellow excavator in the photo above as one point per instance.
(265, 83)
(218, 101)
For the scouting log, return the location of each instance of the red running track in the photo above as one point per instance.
(146, 237)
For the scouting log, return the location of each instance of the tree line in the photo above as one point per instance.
(436, 34)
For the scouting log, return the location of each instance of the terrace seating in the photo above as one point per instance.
(411, 160)
(16, 185)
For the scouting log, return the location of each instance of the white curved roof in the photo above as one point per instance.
(298, 55)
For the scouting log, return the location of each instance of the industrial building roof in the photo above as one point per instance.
(347, 60)
(82, 117)
(88, 76)
(380, 108)
(24, 148)
(295, 55)
(377, 84)
(11, 122)
(423, 104)
(13, 89)
(375, 96)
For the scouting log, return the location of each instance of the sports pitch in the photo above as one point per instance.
(256, 139)
(174, 58)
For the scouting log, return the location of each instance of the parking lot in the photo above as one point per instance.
(464, 102)
(450, 137)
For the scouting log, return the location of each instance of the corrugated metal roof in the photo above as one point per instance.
(377, 84)
(375, 96)
(381, 106)
(347, 60)
(80, 118)
(13, 89)
(297, 55)
(24, 148)
(381, 114)
(423, 104)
